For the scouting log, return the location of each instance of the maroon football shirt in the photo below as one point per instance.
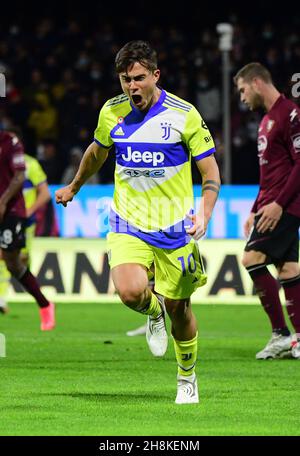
(11, 160)
(279, 157)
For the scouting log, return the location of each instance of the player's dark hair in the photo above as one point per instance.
(253, 70)
(136, 51)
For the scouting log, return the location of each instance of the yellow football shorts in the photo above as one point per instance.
(178, 272)
(30, 231)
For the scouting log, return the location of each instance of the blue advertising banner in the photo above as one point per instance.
(88, 214)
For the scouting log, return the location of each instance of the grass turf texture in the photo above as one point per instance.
(88, 378)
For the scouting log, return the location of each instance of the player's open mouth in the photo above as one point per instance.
(137, 99)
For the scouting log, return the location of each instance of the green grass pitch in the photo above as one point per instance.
(88, 378)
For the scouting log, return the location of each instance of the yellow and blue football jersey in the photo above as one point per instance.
(153, 180)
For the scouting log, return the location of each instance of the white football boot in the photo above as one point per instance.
(277, 347)
(187, 390)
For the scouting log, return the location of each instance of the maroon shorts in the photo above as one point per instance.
(12, 233)
(279, 245)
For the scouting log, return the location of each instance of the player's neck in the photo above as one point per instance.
(155, 97)
(270, 97)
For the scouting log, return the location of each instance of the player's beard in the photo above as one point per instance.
(257, 102)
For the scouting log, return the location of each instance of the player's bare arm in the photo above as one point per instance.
(14, 187)
(43, 196)
(210, 189)
(92, 160)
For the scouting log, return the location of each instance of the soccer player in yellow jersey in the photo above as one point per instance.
(36, 194)
(155, 135)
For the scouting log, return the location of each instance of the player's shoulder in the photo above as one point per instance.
(34, 170)
(117, 101)
(31, 162)
(29, 158)
(287, 102)
(7, 135)
(288, 115)
(288, 108)
(174, 102)
(9, 138)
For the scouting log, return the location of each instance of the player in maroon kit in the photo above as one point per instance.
(12, 222)
(273, 225)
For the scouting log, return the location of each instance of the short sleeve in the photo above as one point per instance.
(197, 137)
(36, 173)
(102, 133)
(17, 159)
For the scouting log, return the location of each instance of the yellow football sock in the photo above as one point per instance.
(154, 308)
(186, 355)
(4, 279)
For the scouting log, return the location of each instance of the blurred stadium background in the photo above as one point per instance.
(58, 65)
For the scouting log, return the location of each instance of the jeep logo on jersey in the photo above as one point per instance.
(262, 143)
(155, 158)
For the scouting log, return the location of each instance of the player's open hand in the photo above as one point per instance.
(270, 216)
(64, 195)
(198, 229)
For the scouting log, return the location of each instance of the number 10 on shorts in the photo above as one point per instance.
(188, 264)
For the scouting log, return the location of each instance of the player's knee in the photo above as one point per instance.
(288, 271)
(251, 258)
(245, 261)
(131, 296)
(178, 310)
(14, 267)
(24, 258)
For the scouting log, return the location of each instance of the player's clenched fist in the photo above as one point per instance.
(198, 229)
(64, 195)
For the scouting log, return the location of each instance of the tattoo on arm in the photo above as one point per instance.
(212, 185)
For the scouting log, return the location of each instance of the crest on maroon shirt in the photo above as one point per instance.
(296, 143)
(262, 143)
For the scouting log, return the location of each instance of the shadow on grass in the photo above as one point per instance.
(107, 397)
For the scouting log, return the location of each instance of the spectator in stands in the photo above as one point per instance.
(43, 118)
(66, 62)
(50, 160)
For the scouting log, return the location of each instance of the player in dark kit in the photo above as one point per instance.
(12, 222)
(273, 225)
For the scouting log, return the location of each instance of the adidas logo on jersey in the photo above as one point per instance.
(155, 158)
(119, 132)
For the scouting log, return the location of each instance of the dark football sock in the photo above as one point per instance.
(292, 294)
(31, 285)
(282, 331)
(268, 292)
